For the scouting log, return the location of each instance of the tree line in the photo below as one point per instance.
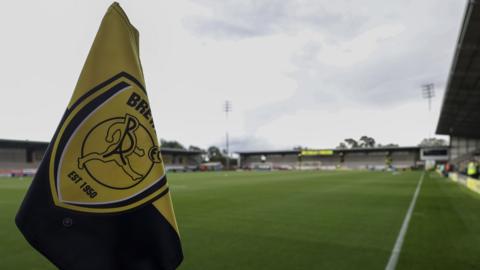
(213, 153)
(369, 142)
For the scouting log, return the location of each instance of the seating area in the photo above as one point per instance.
(359, 158)
(403, 160)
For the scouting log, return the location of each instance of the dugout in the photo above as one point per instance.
(460, 112)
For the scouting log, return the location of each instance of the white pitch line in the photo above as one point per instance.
(392, 262)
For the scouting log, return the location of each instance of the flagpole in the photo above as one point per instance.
(428, 92)
(227, 109)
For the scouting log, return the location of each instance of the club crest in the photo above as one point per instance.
(105, 157)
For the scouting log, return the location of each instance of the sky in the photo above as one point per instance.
(298, 72)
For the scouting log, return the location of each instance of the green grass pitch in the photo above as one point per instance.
(299, 220)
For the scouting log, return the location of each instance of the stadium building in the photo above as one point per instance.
(376, 158)
(460, 112)
(20, 157)
(23, 157)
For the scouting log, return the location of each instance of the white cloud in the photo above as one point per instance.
(326, 128)
(358, 49)
(302, 64)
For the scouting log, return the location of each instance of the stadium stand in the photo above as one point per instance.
(377, 158)
(269, 159)
(460, 112)
(18, 158)
(365, 159)
(181, 160)
(403, 159)
(321, 162)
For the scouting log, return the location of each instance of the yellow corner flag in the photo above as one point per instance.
(100, 198)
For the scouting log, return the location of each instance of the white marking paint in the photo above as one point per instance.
(397, 248)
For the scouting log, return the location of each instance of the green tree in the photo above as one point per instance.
(196, 148)
(433, 142)
(391, 145)
(171, 144)
(351, 142)
(367, 142)
(298, 148)
(342, 145)
(214, 154)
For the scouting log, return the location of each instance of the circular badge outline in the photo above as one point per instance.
(100, 182)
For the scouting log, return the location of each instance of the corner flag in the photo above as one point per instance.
(100, 198)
